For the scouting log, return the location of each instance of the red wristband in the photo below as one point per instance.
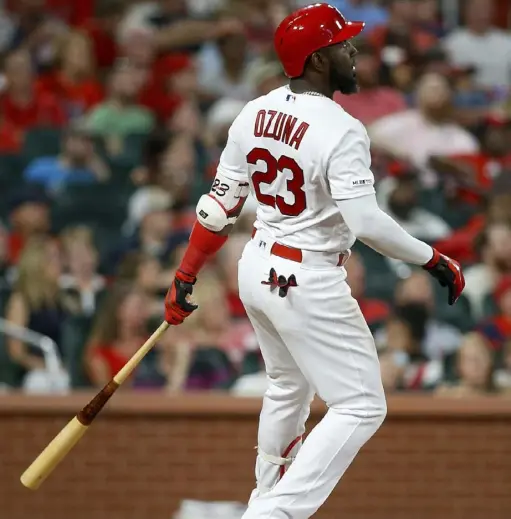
(201, 246)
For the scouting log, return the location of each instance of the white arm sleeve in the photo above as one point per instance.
(380, 232)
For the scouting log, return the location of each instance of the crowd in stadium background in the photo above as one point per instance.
(113, 115)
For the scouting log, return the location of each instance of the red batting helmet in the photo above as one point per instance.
(307, 30)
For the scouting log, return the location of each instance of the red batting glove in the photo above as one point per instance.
(177, 308)
(448, 273)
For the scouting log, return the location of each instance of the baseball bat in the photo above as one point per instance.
(69, 436)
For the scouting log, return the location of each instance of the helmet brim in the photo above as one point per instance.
(350, 30)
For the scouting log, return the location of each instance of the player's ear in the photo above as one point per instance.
(318, 61)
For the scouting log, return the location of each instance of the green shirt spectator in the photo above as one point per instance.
(120, 115)
(109, 118)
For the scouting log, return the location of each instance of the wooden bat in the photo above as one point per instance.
(69, 436)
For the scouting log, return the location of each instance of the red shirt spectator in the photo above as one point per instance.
(370, 105)
(11, 139)
(22, 105)
(74, 83)
(102, 31)
(158, 94)
(41, 110)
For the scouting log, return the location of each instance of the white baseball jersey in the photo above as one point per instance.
(299, 153)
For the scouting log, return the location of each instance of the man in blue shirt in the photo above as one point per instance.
(77, 163)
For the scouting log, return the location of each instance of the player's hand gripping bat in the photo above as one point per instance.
(69, 436)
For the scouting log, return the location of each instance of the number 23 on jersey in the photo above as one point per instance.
(294, 185)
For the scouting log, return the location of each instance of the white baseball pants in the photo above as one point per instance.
(314, 340)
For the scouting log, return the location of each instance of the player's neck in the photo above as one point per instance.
(301, 85)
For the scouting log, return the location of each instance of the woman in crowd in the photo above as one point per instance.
(474, 369)
(81, 281)
(36, 302)
(120, 329)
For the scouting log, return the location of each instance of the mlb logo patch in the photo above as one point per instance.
(291, 98)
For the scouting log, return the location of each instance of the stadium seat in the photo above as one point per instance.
(96, 204)
(11, 178)
(41, 142)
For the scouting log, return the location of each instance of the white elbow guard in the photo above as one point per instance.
(223, 204)
(212, 214)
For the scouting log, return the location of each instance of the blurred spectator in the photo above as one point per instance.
(218, 121)
(403, 364)
(476, 173)
(217, 343)
(503, 373)
(461, 243)
(169, 163)
(369, 11)
(440, 339)
(482, 45)
(494, 246)
(265, 75)
(181, 176)
(145, 273)
(120, 329)
(154, 236)
(497, 329)
(260, 19)
(474, 369)
(36, 302)
(173, 28)
(374, 100)
(119, 115)
(148, 172)
(101, 29)
(187, 120)
(400, 37)
(399, 197)
(428, 17)
(77, 164)
(29, 215)
(227, 260)
(81, 281)
(224, 69)
(22, 106)
(74, 82)
(421, 133)
(5, 268)
(168, 82)
(375, 311)
(37, 31)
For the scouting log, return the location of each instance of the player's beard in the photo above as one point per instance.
(344, 82)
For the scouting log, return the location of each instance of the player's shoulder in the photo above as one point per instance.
(340, 117)
(248, 114)
(261, 102)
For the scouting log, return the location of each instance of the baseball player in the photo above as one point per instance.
(307, 163)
